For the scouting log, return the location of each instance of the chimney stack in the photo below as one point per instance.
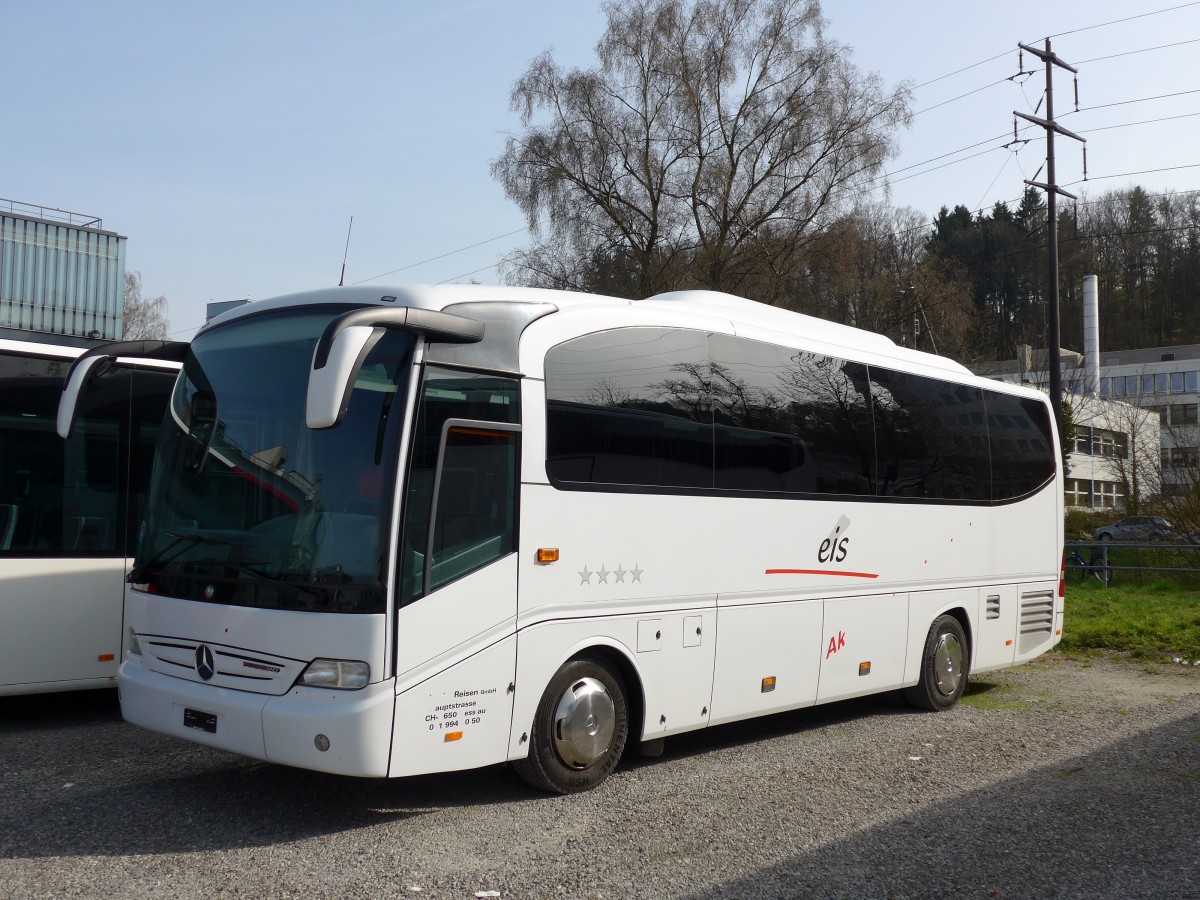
(1091, 336)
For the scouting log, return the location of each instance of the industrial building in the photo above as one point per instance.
(62, 275)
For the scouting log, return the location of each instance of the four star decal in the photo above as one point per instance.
(618, 574)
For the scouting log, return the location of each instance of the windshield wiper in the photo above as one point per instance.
(136, 573)
(257, 575)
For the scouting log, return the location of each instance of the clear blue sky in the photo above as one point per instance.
(231, 142)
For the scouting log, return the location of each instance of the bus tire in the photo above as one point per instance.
(944, 667)
(579, 730)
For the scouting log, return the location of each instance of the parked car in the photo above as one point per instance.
(1137, 528)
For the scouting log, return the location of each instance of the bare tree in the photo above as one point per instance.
(1180, 465)
(1124, 444)
(144, 318)
(871, 270)
(711, 140)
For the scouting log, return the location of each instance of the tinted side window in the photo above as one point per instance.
(1019, 433)
(787, 420)
(630, 406)
(931, 436)
(61, 498)
(150, 392)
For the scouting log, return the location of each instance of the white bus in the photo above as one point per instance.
(424, 529)
(68, 510)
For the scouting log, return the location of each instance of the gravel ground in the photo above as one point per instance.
(1063, 778)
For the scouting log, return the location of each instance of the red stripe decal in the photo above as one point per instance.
(820, 572)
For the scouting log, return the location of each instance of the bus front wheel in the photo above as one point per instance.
(579, 730)
(944, 665)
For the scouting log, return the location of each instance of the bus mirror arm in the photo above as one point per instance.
(97, 361)
(434, 325)
(348, 339)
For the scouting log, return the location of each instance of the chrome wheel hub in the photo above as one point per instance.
(948, 665)
(584, 723)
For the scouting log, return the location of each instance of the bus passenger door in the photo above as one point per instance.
(457, 597)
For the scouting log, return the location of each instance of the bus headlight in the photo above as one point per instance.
(338, 674)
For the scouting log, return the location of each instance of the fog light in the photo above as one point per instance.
(321, 742)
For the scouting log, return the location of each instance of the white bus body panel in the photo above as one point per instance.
(276, 721)
(780, 612)
(456, 620)
(780, 640)
(456, 655)
(59, 618)
(865, 645)
(675, 672)
(276, 729)
(459, 718)
(291, 637)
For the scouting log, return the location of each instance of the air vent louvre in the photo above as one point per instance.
(1037, 619)
(993, 606)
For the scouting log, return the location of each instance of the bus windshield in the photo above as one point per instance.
(250, 507)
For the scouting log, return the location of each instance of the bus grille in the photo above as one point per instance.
(1037, 619)
(233, 667)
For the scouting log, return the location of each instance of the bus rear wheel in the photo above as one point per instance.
(944, 665)
(579, 730)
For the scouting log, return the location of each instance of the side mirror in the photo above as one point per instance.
(330, 385)
(348, 339)
(202, 428)
(81, 373)
(87, 367)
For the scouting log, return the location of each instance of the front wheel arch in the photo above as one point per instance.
(580, 728)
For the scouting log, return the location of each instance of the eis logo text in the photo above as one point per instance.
(835, 547)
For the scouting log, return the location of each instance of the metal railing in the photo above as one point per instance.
(50, 213)
(1106, 560)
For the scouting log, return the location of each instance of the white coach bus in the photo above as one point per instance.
(69, 510)
(425, 529)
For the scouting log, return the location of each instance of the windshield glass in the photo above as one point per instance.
(248, 505)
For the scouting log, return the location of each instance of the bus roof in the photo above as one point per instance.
(702, 307)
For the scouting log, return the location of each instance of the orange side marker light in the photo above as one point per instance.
(106, 657)
(547, 555)
(452, 736)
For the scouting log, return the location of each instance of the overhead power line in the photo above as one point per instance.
(1142, 172)
(1156, 12)
(1133, 52)
(1143, 122)
(960, 96)
(1088, 237)
(444, 255)
(466, 274)
(963, 69)
(1004, 53)
(1127, 102)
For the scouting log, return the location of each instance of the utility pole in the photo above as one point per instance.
(1052, 191)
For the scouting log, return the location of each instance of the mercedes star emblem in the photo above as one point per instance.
(206, 667)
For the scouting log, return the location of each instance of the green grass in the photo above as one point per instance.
(991, 696)
(1147, 621)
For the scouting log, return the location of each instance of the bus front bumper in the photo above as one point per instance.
(354, 727)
